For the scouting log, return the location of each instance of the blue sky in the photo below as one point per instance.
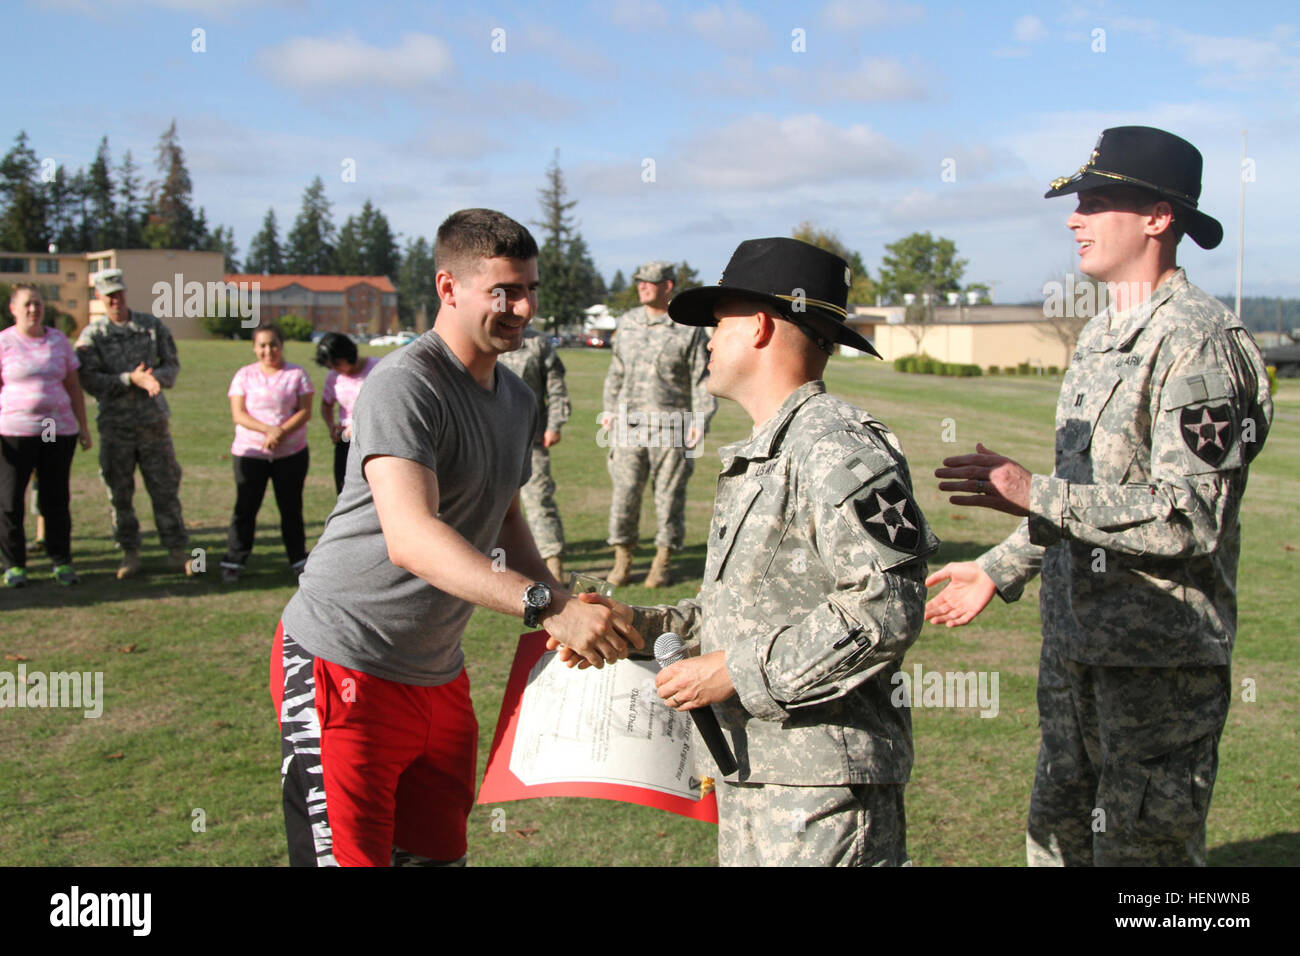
(749, 134)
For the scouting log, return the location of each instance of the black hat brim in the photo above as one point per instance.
(695, 307)
(1205, 231)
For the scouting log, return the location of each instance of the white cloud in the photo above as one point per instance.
(568, 53)
(729, 26)
(319, 62)
(638, 14)
(856, 14)
(1029, 29)
(1243, 63)
(763, 152)
(877, 80)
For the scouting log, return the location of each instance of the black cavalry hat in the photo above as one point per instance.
(1150, 159)
(799, 280)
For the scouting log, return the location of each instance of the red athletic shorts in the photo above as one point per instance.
(373, 772)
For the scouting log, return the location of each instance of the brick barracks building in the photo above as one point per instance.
(329, 303)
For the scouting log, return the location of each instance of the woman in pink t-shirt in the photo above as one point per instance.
(338, 353)
(270, 402)
(42, 418)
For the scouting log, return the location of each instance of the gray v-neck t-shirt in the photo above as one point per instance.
(355, 607)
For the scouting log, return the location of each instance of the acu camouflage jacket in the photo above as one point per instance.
(814, 588)
(1137, 531)
(109, 353)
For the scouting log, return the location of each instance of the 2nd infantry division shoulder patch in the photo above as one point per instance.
(890, 516)
(1208, 432)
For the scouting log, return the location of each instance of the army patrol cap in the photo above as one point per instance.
(108, 281)
(656, 270)
(1149, 159)
(799, 280)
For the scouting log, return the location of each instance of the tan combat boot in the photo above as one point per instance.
(658, 576)
(130, 565)
(181, 561)
(622, 565)
(555, 564)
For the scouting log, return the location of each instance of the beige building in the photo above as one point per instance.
(65, 281)
(982, 335)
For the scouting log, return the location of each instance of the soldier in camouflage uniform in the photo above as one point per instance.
(537, 363)
(1136, 532)
(814, 581)
(127, 359)
(656, 412)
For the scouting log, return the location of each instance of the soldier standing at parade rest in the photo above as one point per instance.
(1136, 532)
(656, 410)
(537, 363)
(368, 676)
(127, 359)
(813, 583)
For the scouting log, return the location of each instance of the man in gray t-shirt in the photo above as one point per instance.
(379, 735)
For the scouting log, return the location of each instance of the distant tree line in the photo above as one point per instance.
(103, 206)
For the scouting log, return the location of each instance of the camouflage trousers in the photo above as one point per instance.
(668, 469)
(538, 497)
(1127, 763)
(767, 824)
(121, 449)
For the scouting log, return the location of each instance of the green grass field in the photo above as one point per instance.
(188, 736)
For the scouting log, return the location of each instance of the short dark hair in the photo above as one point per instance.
(468, 236)
(25, 286)
(272, 328)
(334, 346)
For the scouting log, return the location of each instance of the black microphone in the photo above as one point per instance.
(669, 650)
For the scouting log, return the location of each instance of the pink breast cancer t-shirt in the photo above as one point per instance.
(344, 389)
(271, 399)
(32, 393)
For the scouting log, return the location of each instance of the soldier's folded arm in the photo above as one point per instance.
(95, 378)
(1196, 469)
(169, 360)
(871, 537)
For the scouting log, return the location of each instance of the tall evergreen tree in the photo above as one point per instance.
(61, 212)
(618, 283)
(349, 254)
(103, 225)
(415, 287)
(310, 244)
(264, 254)
(380, 243)
(367, 246)
(22, 217)
(172, 223)
(222, 239)
(130, 218)
(568, 276)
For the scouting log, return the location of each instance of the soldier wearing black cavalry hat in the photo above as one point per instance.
(1136, 531)
(814, 579)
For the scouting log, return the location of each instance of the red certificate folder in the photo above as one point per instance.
(500, 784)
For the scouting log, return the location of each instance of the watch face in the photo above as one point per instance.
(538, 596)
